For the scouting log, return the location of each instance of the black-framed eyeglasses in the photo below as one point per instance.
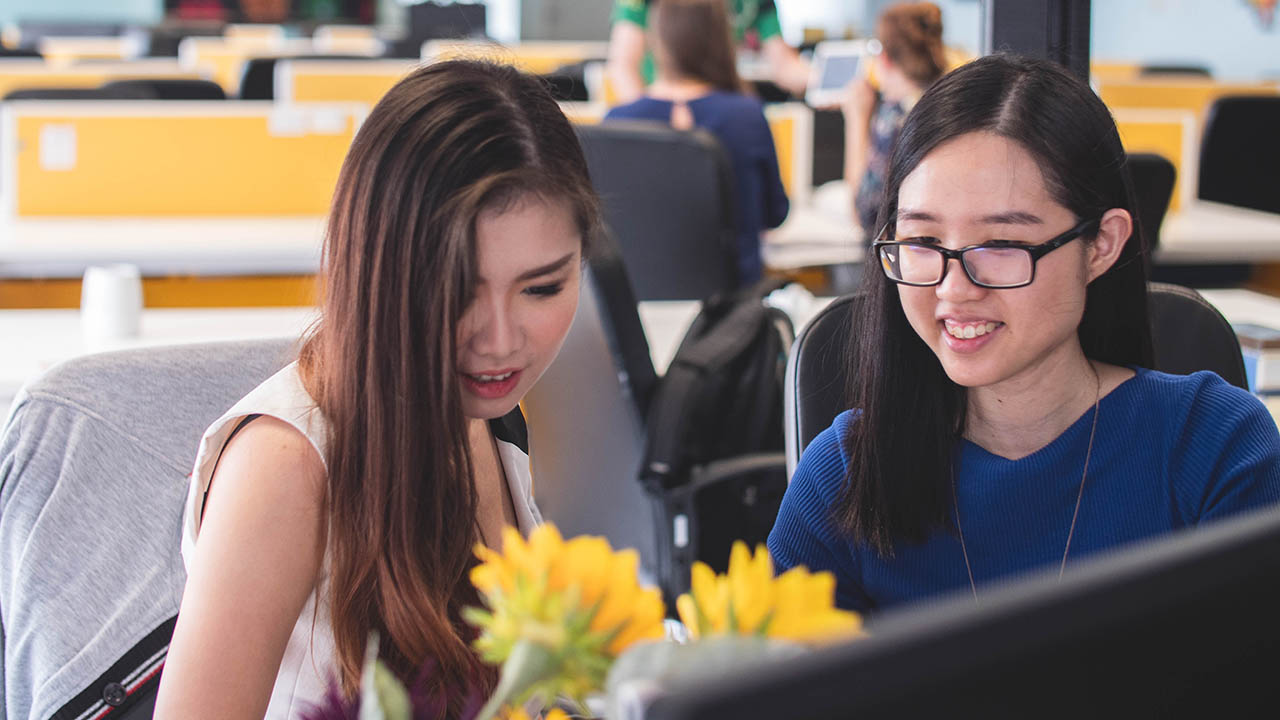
(998, 265)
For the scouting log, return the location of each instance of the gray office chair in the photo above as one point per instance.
(1187, 332)
(668, 200)
(586, 417)
(94, 464)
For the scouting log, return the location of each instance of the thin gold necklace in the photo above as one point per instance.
(955, 503)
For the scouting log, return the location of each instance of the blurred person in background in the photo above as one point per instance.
(911, 58)
(754, 24)
(698, 86)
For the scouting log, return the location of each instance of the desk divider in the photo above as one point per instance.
(64, 51)
(1175, 134)
(362, 81)
(223, 59)
(535, 57)
(167, 158)
(22, 73)
(792, 127)
(1193, 94)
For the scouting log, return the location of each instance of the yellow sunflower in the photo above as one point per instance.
(797, 605)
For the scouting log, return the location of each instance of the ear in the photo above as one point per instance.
(1113, 233)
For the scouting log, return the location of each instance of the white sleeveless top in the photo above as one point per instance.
(307, 667)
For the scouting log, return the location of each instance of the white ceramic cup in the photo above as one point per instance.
(111, 302)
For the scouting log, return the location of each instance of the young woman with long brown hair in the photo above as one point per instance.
(698, 86)
(345, 494)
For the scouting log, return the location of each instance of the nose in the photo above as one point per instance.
(956, 285)
(492, 329)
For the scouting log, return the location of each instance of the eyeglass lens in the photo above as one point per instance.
(924, 265)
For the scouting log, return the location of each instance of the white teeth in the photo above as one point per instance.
(971, 331)
(491, 378)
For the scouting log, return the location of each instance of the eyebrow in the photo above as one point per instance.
(546, 269)
(1016, 217)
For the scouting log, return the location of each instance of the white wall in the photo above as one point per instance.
(1224, 35)
(141, 12)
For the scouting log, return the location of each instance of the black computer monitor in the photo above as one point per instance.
(1188, 626)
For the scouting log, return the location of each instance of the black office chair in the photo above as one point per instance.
(169, 88)
(64, 93)
(668, 201)
(1188, 333)
(1161, 70)
(1153, 179)
(94, 463)
(1240, 152)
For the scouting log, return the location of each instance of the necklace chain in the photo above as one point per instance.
(955, 503)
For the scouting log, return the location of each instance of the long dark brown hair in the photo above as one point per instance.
(448, 141)
(697, 41)
(897, 487)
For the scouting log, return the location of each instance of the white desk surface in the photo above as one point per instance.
(1209, 232)
(35, 340)
(816, 234)
(64, 247)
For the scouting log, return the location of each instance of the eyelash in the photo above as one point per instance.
(545, 291)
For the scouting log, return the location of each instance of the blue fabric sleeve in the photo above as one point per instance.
(776, 204)
(1228, 457)
(804, 534)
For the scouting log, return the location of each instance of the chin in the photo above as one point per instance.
(487, 409)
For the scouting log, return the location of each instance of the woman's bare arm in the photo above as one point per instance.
(256, 561)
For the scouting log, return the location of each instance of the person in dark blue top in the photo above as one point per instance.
(1005, 420)
(698, 86)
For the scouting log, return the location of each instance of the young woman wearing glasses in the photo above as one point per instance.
(1004, 419)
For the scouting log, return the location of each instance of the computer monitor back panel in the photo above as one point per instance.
(1182, 628)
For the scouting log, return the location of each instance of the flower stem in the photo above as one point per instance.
(528, 664)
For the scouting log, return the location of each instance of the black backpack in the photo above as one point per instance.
(713, 458)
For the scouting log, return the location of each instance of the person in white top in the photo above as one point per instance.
(346, 494)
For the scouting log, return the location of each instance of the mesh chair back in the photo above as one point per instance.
(668, 202)
(1240, 152)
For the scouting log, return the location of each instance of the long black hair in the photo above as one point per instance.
(900, 448)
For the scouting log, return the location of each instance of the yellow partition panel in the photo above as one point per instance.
(363, 81)
(792, 128)
(1171, 133)
(533, 57)
(1101, 71)
(15, 74)
(1175, 94)
(223, 59)
(172, 159)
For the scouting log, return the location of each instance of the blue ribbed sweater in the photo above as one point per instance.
(1171, 451)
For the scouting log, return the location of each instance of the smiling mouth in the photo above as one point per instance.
(491, 386)
(480, 377)
(966, 331)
